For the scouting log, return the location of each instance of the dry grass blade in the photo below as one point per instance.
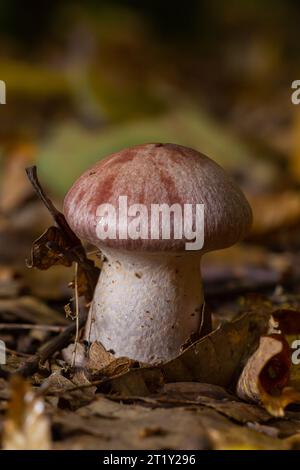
(76, 315)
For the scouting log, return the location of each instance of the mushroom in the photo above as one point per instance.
(149, 297)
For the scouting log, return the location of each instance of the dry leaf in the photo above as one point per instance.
(215, 359)
(109, 424)
(212, 396)
(50, 249)
(26, 426)
(60, 245)
(98, 357)
(65, 390)
(266, 376)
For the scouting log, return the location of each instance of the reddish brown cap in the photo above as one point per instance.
(160, 174)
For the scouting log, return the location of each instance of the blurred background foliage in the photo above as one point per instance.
(87, 78)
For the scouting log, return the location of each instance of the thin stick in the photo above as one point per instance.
(28, 326)
(16, 353)
(76, 314)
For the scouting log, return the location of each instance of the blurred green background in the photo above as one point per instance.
(87, 78)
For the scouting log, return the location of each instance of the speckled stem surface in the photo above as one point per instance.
(146, 305)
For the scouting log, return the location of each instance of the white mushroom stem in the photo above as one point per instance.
(146, 305)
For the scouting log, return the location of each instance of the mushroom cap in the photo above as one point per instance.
(159, 174)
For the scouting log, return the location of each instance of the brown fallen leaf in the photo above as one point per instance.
(98, 357)
(26, 426)
(191, 394)
(50, 249)
(110, 424)
(269, 376)
(215, 359)
(268, 368)
(56, 385)
(212, 396)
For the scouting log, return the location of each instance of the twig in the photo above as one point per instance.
(77, 251)
(17, 353)
(54, 345)
(76, 314)
(29, 326)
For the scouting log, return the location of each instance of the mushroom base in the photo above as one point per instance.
(146, 305)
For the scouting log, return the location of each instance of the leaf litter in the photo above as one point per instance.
(229, 389)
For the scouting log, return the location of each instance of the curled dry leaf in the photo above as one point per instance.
(266, 376)
(53, 249)
(269, 372)
(60, 245)
(26, 426)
